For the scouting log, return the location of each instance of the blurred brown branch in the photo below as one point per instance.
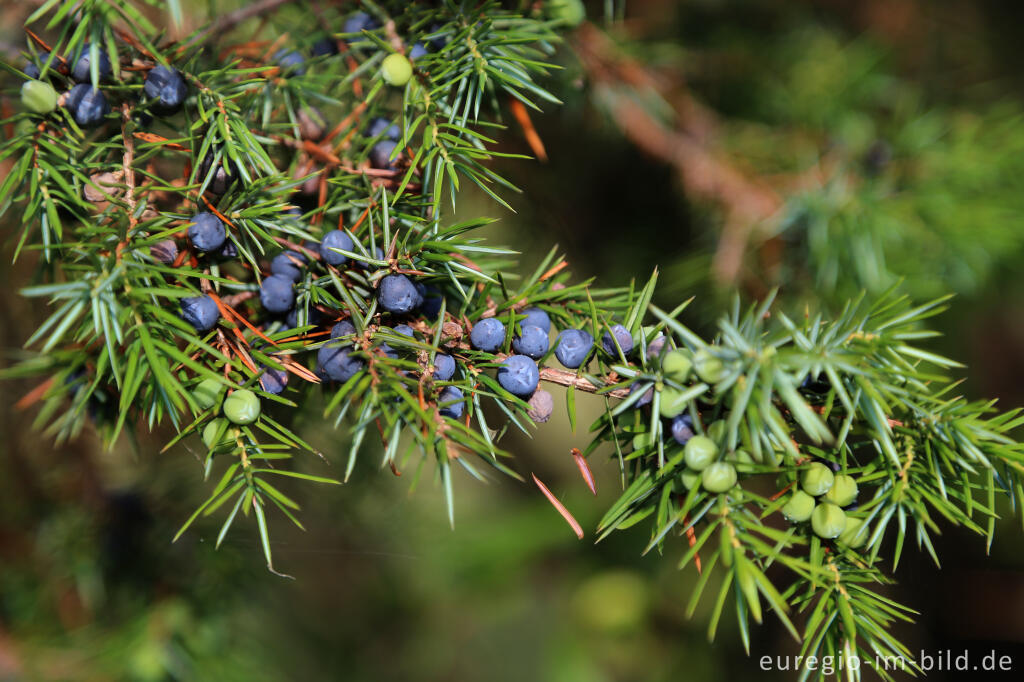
(686, 142)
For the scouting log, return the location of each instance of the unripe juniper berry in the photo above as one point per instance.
(288, 264)
(718, 477)
(290, 61)
(217, 436)
(700, 452)
(165, 251)
(274, 380)
(541, 406)
(206, 232)
(38, 96)
(450, 394)
(397, 294)
(207, 393)
(201, 312)
(672, 403)
(799, 507)
(574, 345)
(444, 367)
(487, 335)
(396, 69)
(242, 407)
(335, 239)
(855, 533)
(166, 88)
(380, 155)
(843, 491)
(817, 479)
(381, 125)
(336, 363)
(81, 71)
(519, 375)
(87, 105)
(343, 328)
(276, 294)
(624, 338)
(535, 317)
(682, 428)
(533, 342)
(677, 365)
(828, 521)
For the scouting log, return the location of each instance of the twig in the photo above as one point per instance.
(566, 378)
(748, 203)
(232, 19)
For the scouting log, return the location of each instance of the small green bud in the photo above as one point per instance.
(718, 477)
(218, 445)
(207, 393)
(817, 479)
(716, 431)
(709, 368)
(38, 96)
(242, 407)
(690, 478)
(828, 521)
(843, 491)
(799, 507)
(677, 365)
(672, 402)
(855, 534)
(700, 451)
(396, 69)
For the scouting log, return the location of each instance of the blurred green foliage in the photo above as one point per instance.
(91, 589)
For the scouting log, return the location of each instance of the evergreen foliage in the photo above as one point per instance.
(781, 455)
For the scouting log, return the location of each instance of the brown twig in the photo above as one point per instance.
(232, 19)
(565, 378)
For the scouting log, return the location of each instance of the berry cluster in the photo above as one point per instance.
(164, 89)
(823, 498)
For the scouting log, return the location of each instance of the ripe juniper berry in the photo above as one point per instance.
(201, 312)
(166, 88)
(622, 336)
(206, 232)
(487, 335)
(397, 294)
(288, 264)
(335, 239)
(276, 294)
(533, 341)
(87, 105)
(81, 70)
(574, 345)
(519, 375)
(444, 367)
(453, 396)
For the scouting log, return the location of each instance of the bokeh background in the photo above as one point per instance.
(821, 146)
